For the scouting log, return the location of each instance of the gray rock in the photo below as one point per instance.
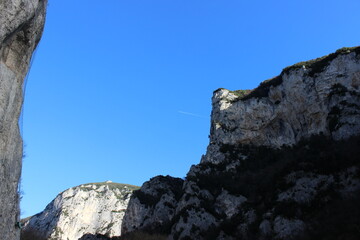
(295, 105)
(305, 188)
(191, 224)
(153, 206)
(288, 228)
(268, 161)
(265, 228)
(228, 204)
(21, 26)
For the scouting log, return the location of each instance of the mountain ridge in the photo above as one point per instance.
(282, 158)
(93, 208)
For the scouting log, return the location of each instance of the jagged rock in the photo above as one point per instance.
(21, 27)
(92, 209)
(153, 206)
(228, 204)
(306, 186)
(304, 100)
(288, 228)
(282, 163)
(192, 223)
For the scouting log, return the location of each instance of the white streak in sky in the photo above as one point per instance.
(190, 114)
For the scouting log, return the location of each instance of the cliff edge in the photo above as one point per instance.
(309, 98)
(282, 162)
(21, 26)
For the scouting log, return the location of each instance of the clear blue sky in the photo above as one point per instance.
(112, 81)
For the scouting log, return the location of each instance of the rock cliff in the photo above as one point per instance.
(154, 204)
(89, 209)
(309, 98)
(21, 26)
(282, 162)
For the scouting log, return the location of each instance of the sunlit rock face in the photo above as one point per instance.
(96, 208)
(21, 26)
(306, 99)
(282, 162)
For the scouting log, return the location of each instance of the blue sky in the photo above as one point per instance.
(121, 89)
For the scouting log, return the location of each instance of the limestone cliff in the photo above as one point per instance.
(309, 98)
(94, 208)
(21, 26)
(282, 162)
(154, 204)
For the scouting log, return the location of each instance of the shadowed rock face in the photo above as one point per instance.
(282, 162)
(153, 206)
(94, 237)
(21, 26)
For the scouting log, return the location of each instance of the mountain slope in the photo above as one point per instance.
(282, 163)
(94, 208)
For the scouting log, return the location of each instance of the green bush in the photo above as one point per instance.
(317, 65)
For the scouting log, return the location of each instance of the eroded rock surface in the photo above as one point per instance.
(282, 162)
(305, 100)
(89, 209)
(21, 26)
(153, 206)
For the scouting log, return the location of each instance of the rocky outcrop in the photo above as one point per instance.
(282, 162)
(22, 23)
(153, 206)
(89, 209)
(309, 98)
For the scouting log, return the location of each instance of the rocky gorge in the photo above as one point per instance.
(21, 26)
(282, 163)
(282, 160)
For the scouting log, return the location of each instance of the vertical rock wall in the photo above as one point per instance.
(282, 162)
(320, 96)
(21, 26)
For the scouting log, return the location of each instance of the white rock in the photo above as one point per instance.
(296, 108)
(95, 208)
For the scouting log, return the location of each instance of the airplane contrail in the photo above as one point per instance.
(190, 114)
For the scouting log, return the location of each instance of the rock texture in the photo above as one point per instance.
(154, 205)
(282, 162)
(21, 26)
(309, 98)
(89, 209)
